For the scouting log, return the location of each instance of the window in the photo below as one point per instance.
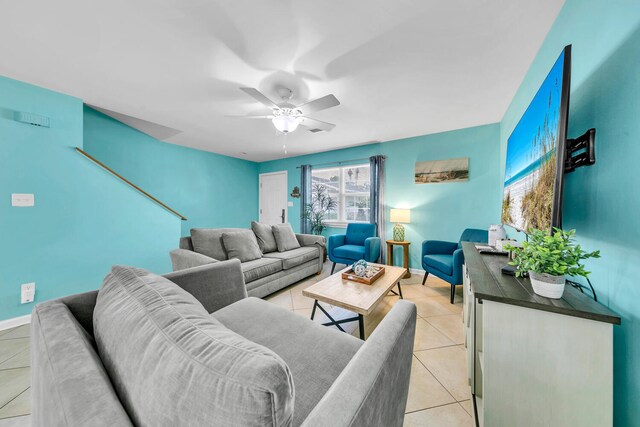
(349, 187)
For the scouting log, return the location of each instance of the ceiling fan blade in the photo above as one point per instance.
(319, 104)
(314, 125)
(256, 94)
(250, 117)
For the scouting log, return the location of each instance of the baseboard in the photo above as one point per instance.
(418, 271)
(15, 321)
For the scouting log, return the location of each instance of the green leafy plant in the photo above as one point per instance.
(321, 204)
(554, 254)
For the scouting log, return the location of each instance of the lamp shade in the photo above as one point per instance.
(400, 215)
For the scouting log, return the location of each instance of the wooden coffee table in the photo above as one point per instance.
(353, 296)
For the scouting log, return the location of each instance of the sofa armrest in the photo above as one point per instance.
(372, 389)
(215, 285)
(184, 258)
(372, 249)
(311, 239)
(438, 247)
(314, 240)
(335, 241)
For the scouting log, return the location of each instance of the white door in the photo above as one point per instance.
(273, 197)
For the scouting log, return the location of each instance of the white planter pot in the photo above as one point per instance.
(547, 285)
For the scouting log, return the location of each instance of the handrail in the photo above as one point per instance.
(108, 169)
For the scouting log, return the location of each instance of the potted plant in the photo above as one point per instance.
(321, 204)
(548, 259)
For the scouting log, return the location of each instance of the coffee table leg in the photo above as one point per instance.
(313, 312)
(400, 291)
(361, 326)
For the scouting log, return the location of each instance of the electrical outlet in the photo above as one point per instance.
(27, 292)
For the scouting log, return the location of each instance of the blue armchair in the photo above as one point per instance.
(359, 242)
(445, 259)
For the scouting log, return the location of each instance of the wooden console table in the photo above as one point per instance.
(405, 248)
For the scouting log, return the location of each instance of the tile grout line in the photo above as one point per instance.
(434, 376)
(438, 406)
(18, 395)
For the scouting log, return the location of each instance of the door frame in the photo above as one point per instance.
(286, 192)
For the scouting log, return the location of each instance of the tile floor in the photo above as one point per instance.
(438, 392)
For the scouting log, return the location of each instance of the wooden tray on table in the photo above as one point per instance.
(350, 275)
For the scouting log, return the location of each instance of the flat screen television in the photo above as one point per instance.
(534, 173)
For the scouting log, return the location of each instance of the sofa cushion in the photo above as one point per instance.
(285, 237)
(443, 263)
(241, 245)
(259, 268)
(315, 354)
(173, 364)
(264, 234)
(353, 252)
(208, 241)
(295, 257)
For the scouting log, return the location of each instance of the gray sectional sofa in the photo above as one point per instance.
(191, 349)
(273, 268)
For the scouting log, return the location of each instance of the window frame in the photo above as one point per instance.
(342, 222)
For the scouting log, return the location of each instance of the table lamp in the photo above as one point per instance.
(399, 216)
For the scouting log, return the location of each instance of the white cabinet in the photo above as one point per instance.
(529, 366)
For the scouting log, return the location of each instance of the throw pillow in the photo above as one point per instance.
(285, 237)
(263, 233)
(241, 245)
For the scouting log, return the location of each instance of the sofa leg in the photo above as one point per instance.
(333, 268)
(453, 293)
(424, 279)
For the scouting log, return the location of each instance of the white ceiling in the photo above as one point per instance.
(400, 68)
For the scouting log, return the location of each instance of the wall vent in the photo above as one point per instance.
(31, 119)
(315, 130)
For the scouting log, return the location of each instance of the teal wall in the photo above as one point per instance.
(438, 211)
(602, 201)
(210, 189)
(84, 220)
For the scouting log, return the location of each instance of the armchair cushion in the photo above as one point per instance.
(443, 263)
(285, 237)
(352, 252)
(335, 241)
(264, 234)
(438, 247)
(357, 233)
(315, 354)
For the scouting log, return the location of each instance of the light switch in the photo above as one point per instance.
(289, 204)
(22, 200)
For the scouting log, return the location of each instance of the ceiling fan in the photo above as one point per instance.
(286, 117)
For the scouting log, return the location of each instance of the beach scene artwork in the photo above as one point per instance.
(530, 172)
(452, 170)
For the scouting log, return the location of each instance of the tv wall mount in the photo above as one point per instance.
(580, 151)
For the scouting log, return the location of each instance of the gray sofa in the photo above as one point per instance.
(273, 271)
(143, 351)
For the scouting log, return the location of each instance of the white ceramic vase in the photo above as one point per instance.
(547, 285)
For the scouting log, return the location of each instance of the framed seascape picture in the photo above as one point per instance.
(452, 170)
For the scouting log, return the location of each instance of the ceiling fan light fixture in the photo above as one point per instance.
(285, 122)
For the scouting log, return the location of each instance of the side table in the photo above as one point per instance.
(405, 248)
